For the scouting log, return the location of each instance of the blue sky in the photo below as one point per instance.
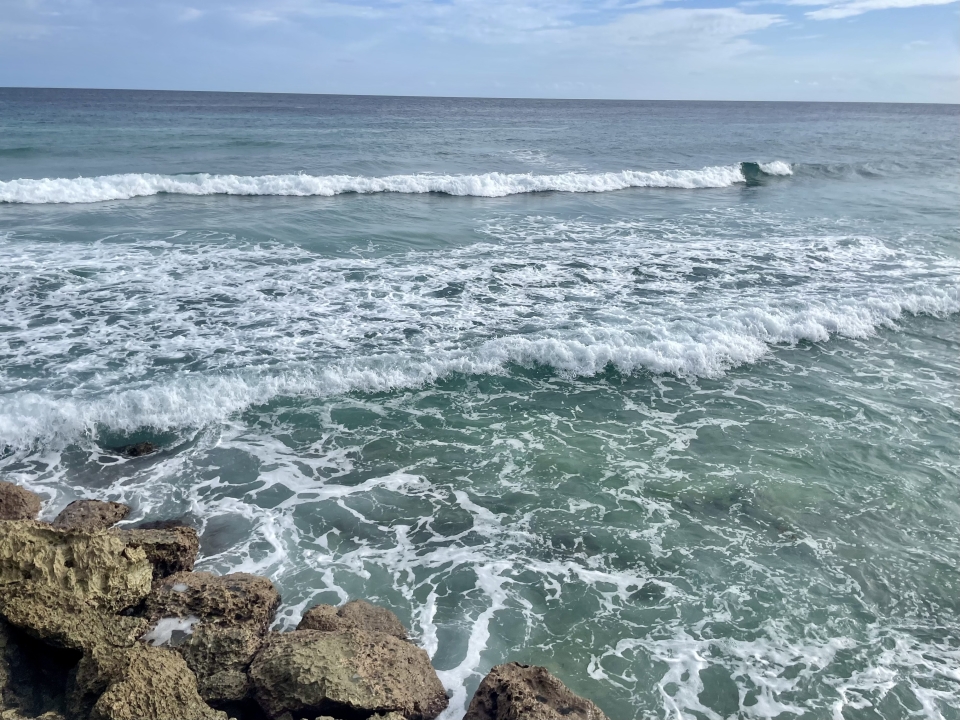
(856, 50)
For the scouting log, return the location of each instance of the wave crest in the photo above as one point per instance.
(495, 184)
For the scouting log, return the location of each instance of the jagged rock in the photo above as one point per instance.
(170, 548)
(65, 621)
(94, 568)
(33, 676)
(354, 614)
(224, 599)
(346, 672)
(91, 515)
(527, 692)
(17, 503)
(139, 683)
(228, 615)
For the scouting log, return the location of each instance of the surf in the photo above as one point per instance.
(493, 184)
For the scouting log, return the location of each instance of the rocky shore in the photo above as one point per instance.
(99, 622)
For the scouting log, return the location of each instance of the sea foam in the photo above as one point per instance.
(494, 184)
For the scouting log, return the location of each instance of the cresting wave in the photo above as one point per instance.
(495, 184)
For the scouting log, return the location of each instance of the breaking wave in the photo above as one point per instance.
(495, 184)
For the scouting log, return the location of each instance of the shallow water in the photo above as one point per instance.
(692, 444)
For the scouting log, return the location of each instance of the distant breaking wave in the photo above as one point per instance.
(131, 185)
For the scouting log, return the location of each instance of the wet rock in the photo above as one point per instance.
(17, 503)
(229, 616)
(527, 692)
(170, 549)
(354, 614)
(139, 683)
(345, 673)
(136, 450)
(91, 515)
(93, 568)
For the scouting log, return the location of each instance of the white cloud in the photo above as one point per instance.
(858, 7)
(684, 27)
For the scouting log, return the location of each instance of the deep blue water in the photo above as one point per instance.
(664, 396)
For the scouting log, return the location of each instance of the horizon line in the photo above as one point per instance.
(470, 97)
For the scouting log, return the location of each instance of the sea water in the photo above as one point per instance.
(663, 396)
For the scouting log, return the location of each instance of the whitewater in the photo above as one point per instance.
(569, 383)
(494, 184)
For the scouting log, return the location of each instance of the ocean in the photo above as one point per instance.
(662, 396)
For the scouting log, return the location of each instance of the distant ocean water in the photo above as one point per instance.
(664, 396)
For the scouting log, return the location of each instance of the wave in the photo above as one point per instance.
(196, 400)
(495, 184)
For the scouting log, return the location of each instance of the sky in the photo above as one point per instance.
(846, 50)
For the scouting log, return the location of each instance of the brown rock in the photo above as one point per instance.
(17, 503)
(345, 673)
(66, 621)
(230, 615)
(170, 549)
(220, 599)
(93, 568)
(141, 683)
(354, 614)
(91, 515)
(527, 692)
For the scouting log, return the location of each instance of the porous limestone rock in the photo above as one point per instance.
(345, 672)
(145, 683)
(94, 568)
(528, 692)
(230, 615)
(17, 503)
(170, 547)
(354, 614)
(91, 515)
(64, 620)
(224, 599)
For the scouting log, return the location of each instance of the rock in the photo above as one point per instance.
(527, 692)
(91, 515)
(221, 599)
(96, 569)
(140, 683)
(17, 503)
(136, 450)
(170, 549)
(354, 614)
(345, 673)
(64, 621)
(33, 676)
(228, 616)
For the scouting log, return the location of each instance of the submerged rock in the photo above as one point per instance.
(354, 614)
(93, 568)
(228, 617)
(527, 692)
(345, 673)
(91, 515)
(170, 547)
(136, 450)
(17, 503)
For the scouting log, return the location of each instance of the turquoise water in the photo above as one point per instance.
(559, 382)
